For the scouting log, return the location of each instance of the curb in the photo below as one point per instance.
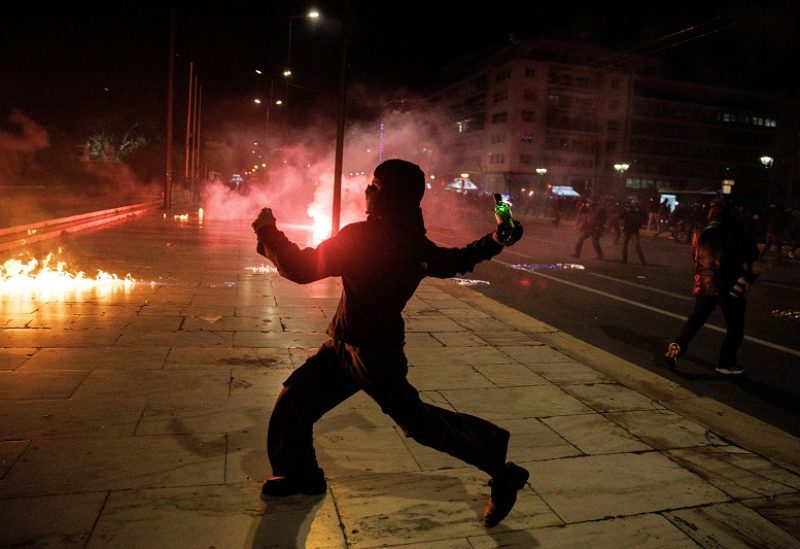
(732, 425)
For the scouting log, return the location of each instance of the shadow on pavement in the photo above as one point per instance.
(286, 522)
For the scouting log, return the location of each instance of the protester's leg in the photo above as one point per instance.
(596, 243)
(733, 309)
(314, 388)
(638, 247)
(466, 437)
(625, 240)
(703, 307)
(579, 244)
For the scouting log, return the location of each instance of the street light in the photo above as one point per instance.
(313, 15)
(541, 172)
(767, 161)
(621, 168)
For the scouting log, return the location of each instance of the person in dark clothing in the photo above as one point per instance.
(775, 224)
(591, 221)
(631, 222)
(724, 253)
(381, 262)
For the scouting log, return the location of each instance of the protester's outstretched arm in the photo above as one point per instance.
(301, 266)
(446, 262)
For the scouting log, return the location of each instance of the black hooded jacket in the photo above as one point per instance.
(381, 263)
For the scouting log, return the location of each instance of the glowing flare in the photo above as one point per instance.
(50, 277)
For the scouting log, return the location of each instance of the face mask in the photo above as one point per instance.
(372, 193)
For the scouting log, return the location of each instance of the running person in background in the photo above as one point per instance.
(724, 253)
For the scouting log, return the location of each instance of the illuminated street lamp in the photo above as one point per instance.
(541, 172)
(767, 161)
(621, 168)
(313, 15)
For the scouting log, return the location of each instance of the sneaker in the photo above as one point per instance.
(671, 357)
(732, 371)
(309, 485)
(504, 494)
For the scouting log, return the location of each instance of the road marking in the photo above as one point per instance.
(615, 297)
(751, 339)
(642, 286)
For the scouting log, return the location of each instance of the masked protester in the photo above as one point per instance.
(724, 253)
(381, 262)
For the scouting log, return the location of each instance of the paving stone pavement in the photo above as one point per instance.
(137, 419)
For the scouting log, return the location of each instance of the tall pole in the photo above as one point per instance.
(170, 98)
(337, 174)
(187, 164)
(196, 171)
(288, 70)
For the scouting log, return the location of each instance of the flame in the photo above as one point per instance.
(50, 277)
(321, 227)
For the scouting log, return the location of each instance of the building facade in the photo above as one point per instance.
(541, 113)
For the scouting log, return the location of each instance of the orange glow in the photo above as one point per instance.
(50, 278)
(321, 227)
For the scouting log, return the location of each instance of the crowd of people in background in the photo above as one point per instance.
(775, 227)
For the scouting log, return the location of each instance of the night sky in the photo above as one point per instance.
(69, 68)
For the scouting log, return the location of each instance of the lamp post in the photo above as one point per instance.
(621, 168)
(767, 161)
(340, 122)
(313, 15)
(541, 172)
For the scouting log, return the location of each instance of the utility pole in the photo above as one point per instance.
(337, 173)
(188, 149)
(170, 98)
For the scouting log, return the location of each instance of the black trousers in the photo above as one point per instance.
(336, 372)
(636, 246)
(595, 236)
(733, 309)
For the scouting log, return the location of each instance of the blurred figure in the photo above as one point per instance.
(614, 208)
(381, 261)
(775, 223)
(724, 253)
(557, 204)
(631, 222)
(652, 214)
(794, 231)
(590, 222)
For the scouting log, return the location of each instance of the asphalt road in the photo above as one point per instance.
(633, 311)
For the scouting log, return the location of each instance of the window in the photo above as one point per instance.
(496, 158)
(529, 95)
(500, 96)
(611, 146)
(615, 83)
(499, 117)
(530, 72)
(526, 138)
(503, 75)
(613, 125)
(501, 138)
(528, 116)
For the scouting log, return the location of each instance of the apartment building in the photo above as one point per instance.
(546, 112)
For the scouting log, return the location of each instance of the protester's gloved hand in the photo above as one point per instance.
(264, 219)
(508, 236)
